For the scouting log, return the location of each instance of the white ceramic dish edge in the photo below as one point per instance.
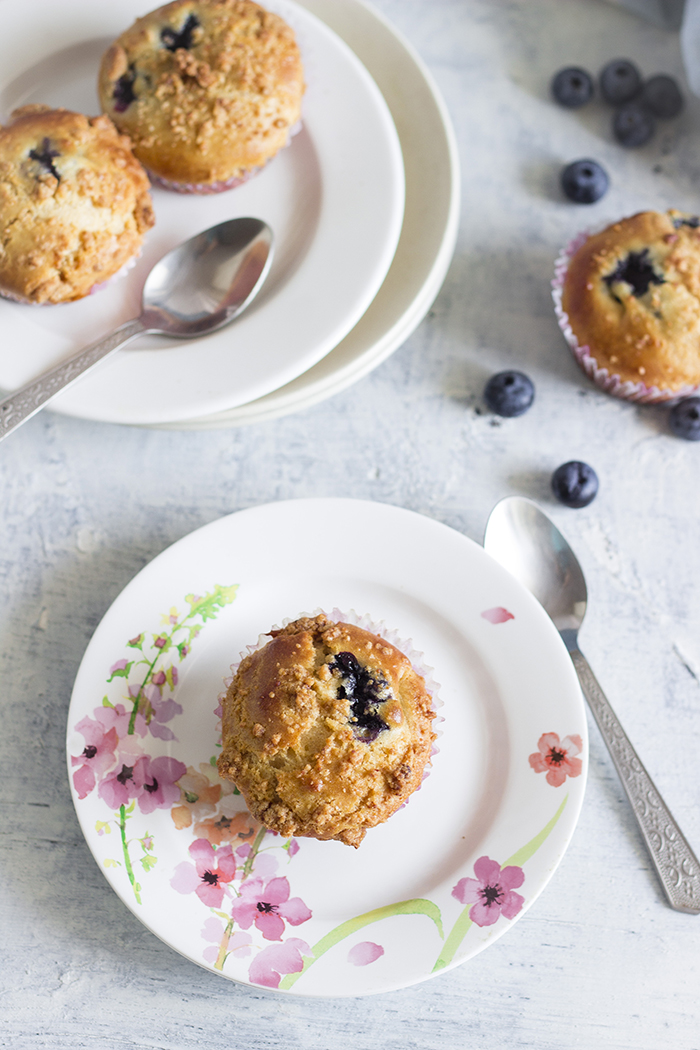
(345, 366)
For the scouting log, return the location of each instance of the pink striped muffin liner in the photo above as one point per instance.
(584, 356)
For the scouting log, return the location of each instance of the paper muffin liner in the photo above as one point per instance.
(208, 188)
(128, 265)
(366, 623)
(202, 188)
(584, 355)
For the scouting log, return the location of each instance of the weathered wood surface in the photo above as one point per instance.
(599, 960)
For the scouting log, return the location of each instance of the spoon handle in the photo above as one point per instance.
(25, 402)
(675, 863)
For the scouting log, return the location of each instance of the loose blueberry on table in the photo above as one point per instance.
(584, 181)
(575, 484)
(572, 87)
(662, 97)
(509, 393)
(620, 81)
(366, 690)
(684, 419)
(633, 126)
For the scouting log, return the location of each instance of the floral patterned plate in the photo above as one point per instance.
(447, 874)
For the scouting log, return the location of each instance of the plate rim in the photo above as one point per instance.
(334, 504)
(307, 390)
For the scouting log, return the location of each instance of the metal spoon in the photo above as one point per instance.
(522, 538)
(196, 288)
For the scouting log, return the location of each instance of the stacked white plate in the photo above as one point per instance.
(364, 204)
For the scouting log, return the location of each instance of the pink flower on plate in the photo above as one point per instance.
(159, 778)
(210, 874)
(267, 904)
(269, 965)
(364, 953)
(239, 943)
(118, 718)
(124, 782)
(491, 892)
(497, 615)
(97, 755)
(557, 758)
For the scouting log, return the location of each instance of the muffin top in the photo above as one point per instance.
(632, 295)
(208, 90)
(74, 204)
(326, 730)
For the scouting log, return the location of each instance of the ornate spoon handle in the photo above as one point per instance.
(25, 402)
(675, 863)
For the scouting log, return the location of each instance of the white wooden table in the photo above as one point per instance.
(599, 960)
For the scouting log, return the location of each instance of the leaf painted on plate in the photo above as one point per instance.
(416, 906)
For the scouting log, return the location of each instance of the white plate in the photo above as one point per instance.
(395, 911)
(334, 198)
(430, 224)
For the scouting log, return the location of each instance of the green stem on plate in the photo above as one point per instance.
(137, 699)
(223, 947)
(534, 844)
(250, 859)
(127, 859)
(416, 906)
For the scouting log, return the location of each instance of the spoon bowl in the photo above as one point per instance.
(209, 280)
(199, 286)
(521, 537)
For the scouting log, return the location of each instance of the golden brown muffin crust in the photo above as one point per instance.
(632, 295)
(212, 100)
(74, 204)
(295, 747)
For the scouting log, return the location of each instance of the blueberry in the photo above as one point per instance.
(366, 690)
(123, 94)
(584, 181)
(636, 270)
(575, 484)
(662, 97)
(173, 41)
(509, 393)
(620, 81)
(572, 87)
(633, 126)
(684, 419)
(46, 156)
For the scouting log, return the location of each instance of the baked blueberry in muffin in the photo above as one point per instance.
(630, 305)
(208, 90)
(74, 204)
(326, 730)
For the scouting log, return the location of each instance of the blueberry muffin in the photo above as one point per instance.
(208, 90)
(629, 300)
(326, 730)
(74, 204)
